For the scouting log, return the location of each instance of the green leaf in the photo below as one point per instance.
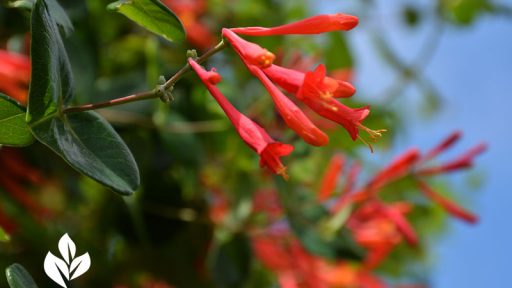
(58, 13)
(60, 16)
(51, 83)
(4, 237)
(84, 140)
(14, 131)
(90, 145)
(18, 277)
(152, 15)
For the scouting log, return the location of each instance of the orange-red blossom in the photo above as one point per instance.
(252, 134)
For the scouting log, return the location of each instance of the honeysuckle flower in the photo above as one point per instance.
(451, 207)
(379, 227)
(291, 81)
(15, 75)
(318, 95)
(330, 178)
(398, 168)
(291, 114)
(252, 53)
(441, 147)
(312, 25)
(461, 162)
(251, 133)
(401, 223)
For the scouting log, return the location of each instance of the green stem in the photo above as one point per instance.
(147, 94)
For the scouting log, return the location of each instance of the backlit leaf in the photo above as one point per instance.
(18, 277)
(14, 131)
(152, 15)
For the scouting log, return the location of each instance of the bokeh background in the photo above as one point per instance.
(427, 68)
(469, 67)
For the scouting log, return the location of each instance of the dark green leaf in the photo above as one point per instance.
(4, 237)
(18, 277)
(14, 131)
(60, 16)
(89, 144)
(152, 15)
(85, 140)
(57, 12)
(51, 83)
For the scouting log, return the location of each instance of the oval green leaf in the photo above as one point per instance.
(18, 277)
(51, 82)
(90, 145)
(84, 140)
(152, 15)
(14, 131)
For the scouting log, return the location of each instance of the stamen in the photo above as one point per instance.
(374, 134)
(365, 142)
(282, 172)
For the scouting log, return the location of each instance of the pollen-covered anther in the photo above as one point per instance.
(374, 134)
(282, 172)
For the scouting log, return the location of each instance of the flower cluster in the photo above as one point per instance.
(313, 88)
(376, 225)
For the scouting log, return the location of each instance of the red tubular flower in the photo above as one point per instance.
(318, 96)
(401, 223)
(291, 114)
(312, 25)
(331, 177)
(251, 53)
(253, 135)
(15, 75)
(398, 168)
(351, 178)
(445, 144)
(464, 161)
(291, 81)
(448, 205)
(272, 253)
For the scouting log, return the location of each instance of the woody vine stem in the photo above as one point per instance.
(160, 91)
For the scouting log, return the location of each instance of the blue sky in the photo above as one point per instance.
(472, 69)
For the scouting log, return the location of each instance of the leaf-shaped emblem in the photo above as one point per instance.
(55, 268)
(80, 265)
(67, 247)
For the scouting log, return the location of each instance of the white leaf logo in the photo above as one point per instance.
(62, 271)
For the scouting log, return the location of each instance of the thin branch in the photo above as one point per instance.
(155, 93)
